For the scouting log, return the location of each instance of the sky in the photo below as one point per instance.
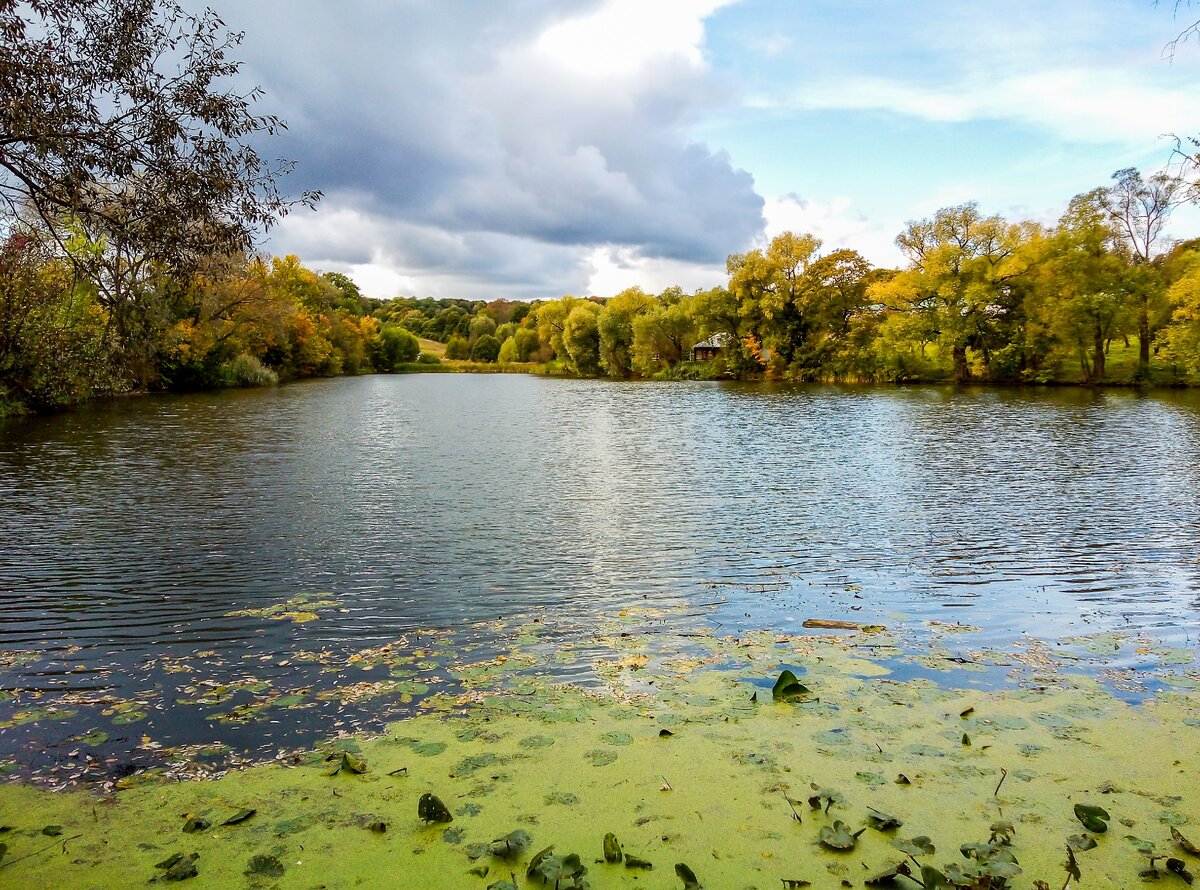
(534, 148)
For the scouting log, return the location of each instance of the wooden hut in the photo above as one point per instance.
(707, 350)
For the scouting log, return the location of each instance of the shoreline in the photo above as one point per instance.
(468, 368)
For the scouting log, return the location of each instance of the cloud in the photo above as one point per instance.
(837, 223)
(1077, 104)
(444, 135)
(613, 269)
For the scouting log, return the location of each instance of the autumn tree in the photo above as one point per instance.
(958, 284)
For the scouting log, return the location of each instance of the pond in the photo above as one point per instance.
(172, 566)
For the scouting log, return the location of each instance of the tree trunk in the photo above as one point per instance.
(1098, 357)
(1143, 370)
(962, 373)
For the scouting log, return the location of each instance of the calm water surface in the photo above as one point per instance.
(129, 531)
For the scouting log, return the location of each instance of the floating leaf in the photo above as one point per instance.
(887, 877)
(917, 846)
(932, 879)
(511, 845)
(1081, 842)
(170, 860)
(431, 809)
(401, 773)
(1002, 832)
(903, 780)
(882, 821)
(612, 848)
(1184, 842)
(838, 836)
(239, 817)
(1176, 867)
(196, 823)
(182, 867)
(551, 868)
(795, 883)
(690, 882)
(788, 688)
(824, 798)
(265, 865)
(52, 830)
(632, 861)
(1093, 818)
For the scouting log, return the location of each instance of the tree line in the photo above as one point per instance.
(980, 299)
(132, 198)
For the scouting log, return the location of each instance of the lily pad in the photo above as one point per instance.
(431, 809)
(181, 867)
(887, 877)
(685, 874)
(551, 868)
(838, 836)
(600, 757)
(265, 866)
(917, 846)
(511, 845)
(788, 688)
(1081, 842)
(612, 848)
(239, 817)
(882, 821)
(1093, 818)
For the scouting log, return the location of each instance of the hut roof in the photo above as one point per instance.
(716, 341)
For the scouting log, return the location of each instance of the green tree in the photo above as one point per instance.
(959, 283)
(663, 337)
(581, 338)
(486, 349)
(458, 349)
(508, 351)
(397, 346)
(616, 330)
(527, 343)
(481, 326)
(1086, 293)
(1138, 209)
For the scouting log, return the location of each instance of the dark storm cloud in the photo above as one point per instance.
(440, 123)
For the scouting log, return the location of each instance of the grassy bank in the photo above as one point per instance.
(684, 759)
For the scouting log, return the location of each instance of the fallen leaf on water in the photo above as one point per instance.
(431, 809)
(239, 817)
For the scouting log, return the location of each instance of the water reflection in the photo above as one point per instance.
(130, 530)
